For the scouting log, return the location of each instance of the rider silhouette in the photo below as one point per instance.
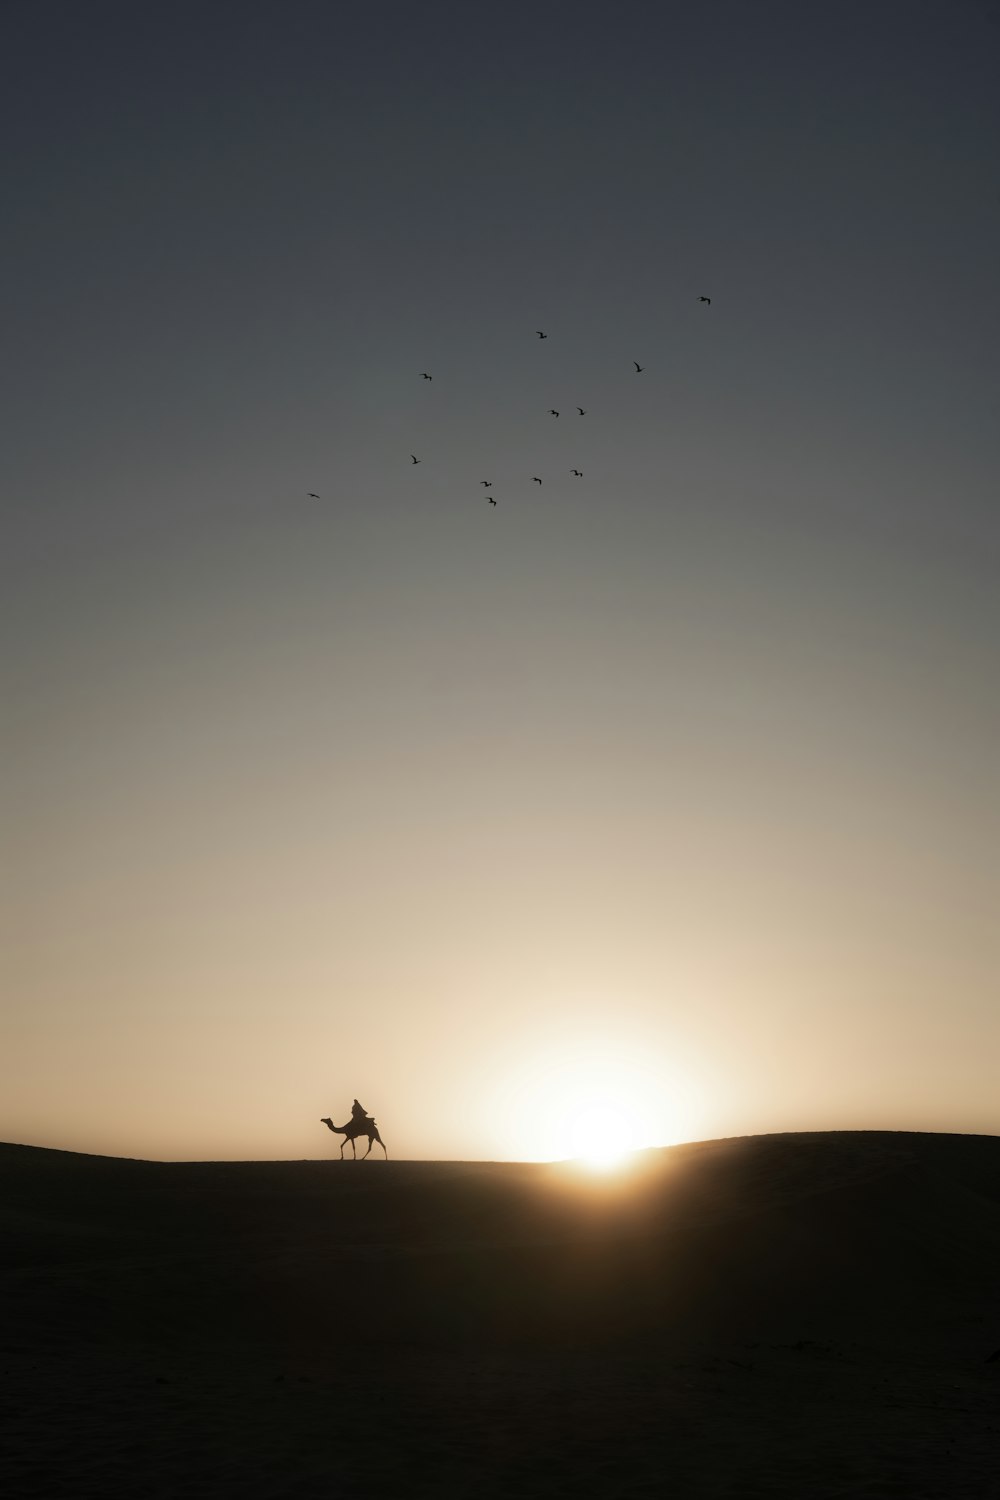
(358, 1112)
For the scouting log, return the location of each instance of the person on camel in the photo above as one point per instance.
(358, 1113)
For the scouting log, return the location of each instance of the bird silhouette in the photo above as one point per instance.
(541, 335)
(638, 367)
(535, 479)
(705, 299)
(577, 472)
(313, 495)
(425, 376)
(487, 482)
(492, 501)
(416, 460)
(581, 411)
(553, 413)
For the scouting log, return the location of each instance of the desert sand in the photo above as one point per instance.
(776, 1316)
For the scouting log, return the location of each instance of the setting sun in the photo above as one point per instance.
(602, 1134)
(594, 1100)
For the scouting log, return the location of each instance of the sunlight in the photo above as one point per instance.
(595, 1100)
(602, 1135)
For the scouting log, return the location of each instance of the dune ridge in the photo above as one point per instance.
(516, 1325)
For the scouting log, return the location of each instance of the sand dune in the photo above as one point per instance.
(798, 1315)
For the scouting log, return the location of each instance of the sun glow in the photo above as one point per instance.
(602, 1135)
(594, 1101)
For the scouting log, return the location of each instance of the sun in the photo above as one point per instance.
(602, 1134)
(593, 1099)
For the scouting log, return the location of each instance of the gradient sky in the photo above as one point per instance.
(673, 788)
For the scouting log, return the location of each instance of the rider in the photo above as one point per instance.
(358, 1113)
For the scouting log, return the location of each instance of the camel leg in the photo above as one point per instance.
(369, 1148)
(342, 1145)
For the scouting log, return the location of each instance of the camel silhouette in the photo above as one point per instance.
(352, 1130)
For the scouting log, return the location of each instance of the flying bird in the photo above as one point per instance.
(535, 479)
(577, 472)
(705, 299)
(553, 413)
(424, 375)
(638, 367)
(487, 482)
(492, 501)
(581, 411)
(541, 335)
(313, 495)
(416, 460)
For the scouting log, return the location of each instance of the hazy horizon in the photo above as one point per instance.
(670, 790)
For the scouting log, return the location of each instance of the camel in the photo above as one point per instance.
(352, 1130)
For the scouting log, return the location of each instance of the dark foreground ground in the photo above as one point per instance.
(782, 1316)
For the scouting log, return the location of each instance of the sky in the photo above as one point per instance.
(664, 796)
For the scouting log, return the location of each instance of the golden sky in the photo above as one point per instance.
(669, 790)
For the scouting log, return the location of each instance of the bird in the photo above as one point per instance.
(581, 411)
(424, 375)
(552, 412)
(577, 472)
(541, 335)
(638, 367)
(313, 495)
(416, 460)
(487, 482)
(492, 501)
(705, 299)
(535, 479)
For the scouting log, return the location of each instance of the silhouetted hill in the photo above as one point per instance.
(739, 1255)
(879, 1225)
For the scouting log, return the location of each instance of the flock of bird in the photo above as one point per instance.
(488, 483)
